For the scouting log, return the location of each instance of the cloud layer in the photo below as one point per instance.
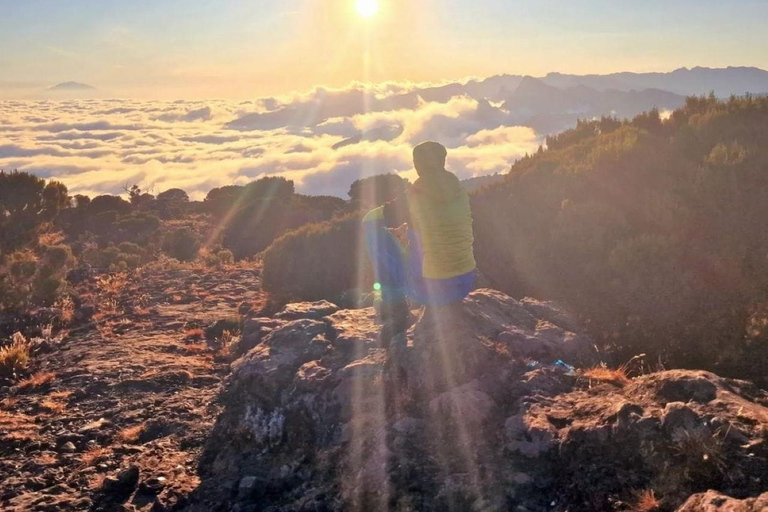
(323, 140)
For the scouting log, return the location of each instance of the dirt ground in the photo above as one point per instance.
(132, 389)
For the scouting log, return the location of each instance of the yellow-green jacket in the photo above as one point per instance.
(437, 208)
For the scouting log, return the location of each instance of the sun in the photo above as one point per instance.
(367, 8)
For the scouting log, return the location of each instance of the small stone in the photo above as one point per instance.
(247, 486)
(68, 447)
(153, 485)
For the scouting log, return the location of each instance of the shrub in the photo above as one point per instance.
(182, 244)
(14, 357)
(370, 192)
(219, 258)
(28, 280)
(171, 203)
(26, 201)
(652, 231)
(319, 261)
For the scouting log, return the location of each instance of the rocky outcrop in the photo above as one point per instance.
(318, 418)
(712, 501)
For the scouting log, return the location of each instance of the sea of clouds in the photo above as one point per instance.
(323, 140)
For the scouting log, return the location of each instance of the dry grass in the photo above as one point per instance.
(646, 502)
(194, 334)
(60, 395)
(225, 344)
(54, 238)
(131, 434)
(37, 380)
(9, 402)
(94, 455)
(196, 348)
(95, 482)
(52, 406)
(701, 451)
(14, 357)
(67, 307)
(602, 373)
(17, 427)
(112, 284)
(46, 459)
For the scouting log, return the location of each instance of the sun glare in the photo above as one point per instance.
(367, 8)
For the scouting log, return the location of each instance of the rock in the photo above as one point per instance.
(467, 404)
(307, 310)
(551, 312)
(80, 274)
(123, 483)
(712, 501)
(248, 487)
(678, 419)
(217, 329)
(68, 447)
(153, 485)
(316, 417)
(84, 313)
(354, 330)
(530, 434)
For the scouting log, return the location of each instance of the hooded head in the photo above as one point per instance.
(429, 157)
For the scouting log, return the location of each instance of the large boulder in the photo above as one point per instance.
(317, 417)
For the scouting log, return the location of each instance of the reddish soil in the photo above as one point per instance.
(135, 387)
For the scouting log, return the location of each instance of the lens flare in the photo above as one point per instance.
(367, 8)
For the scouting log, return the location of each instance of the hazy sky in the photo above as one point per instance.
(248, 48)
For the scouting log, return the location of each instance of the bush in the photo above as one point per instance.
(652, 231)
(219, 258)
(369, 193)
(182, 244)
(14, 357)
(26, 202)
(27, 280)
(268, 208)
(319, 261)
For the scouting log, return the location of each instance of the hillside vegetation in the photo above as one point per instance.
(651, 231)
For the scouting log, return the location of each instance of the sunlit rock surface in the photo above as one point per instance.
(317, 418)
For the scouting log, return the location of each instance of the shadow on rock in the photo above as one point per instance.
(317, 418)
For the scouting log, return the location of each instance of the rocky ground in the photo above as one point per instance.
(477, 409)
(474, 414)
(119, 407)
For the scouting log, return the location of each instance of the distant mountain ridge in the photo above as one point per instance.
(548, 104)
(71, 86)
(723, 82)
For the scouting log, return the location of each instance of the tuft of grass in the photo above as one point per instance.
(67, 307)
(194, 335)
(9, 402)
(602, 373)
(94, 455)
(60, 395)
(196, 348)
(52, 406)
(131, 434)
(96, 481)
(701, 451)
(15, 357)
(646, 502)
(46, 459)
(37, 380)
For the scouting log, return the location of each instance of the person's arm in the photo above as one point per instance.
(396, 212)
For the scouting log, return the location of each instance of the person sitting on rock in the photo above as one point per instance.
(421, 244)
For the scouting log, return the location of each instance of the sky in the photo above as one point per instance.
(239, 49)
